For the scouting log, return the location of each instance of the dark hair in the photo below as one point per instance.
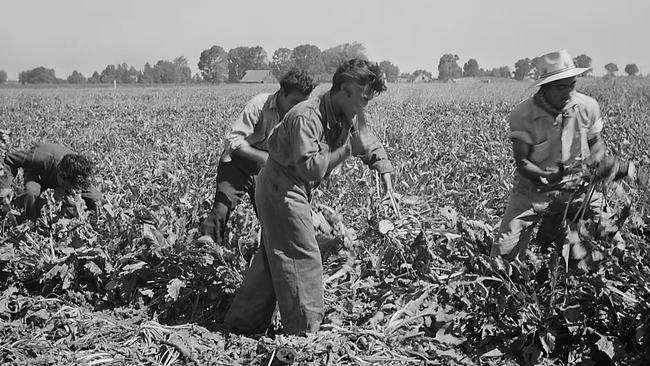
(362, 72)
(297, 80)
(76, 169)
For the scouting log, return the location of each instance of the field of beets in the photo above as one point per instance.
(130, 285)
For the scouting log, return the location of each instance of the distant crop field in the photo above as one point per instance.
(129, 287)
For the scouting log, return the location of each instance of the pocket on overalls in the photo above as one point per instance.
(540, 152)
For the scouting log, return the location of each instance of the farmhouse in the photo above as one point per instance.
(421, 78)
(258, 76)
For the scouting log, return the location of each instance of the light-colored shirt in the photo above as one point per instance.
(301, 144)
(253, 125)
(559, 139)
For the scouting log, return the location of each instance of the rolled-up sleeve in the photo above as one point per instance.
(19, 159)
(309, 155)
(367, 146)
(244, 125)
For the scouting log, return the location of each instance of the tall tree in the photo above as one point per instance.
(168, 72)
(535, 72)
(309, 58)
(125, 74)
(109, 74)
(281, 62)
(76, 78)
(611, 68)
(39, 75)
(148, 76)
(213, 64)
(583, 61)
(631, 69)
(183, 69)
(95, 78)
(390, 70)
(523, 69)
(500, 72)
(3, 76)
(470, 68)
(448, 67)
(335, 56)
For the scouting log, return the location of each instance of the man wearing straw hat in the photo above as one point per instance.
(550, 130)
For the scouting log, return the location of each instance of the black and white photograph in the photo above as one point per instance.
(325, 183)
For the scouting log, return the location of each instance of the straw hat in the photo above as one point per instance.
(555, 66)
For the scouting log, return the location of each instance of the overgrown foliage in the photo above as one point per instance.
(128, 285)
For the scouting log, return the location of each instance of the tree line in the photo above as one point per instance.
(525, 68)
(218, 66)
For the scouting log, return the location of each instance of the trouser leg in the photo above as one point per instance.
(233, 179)
(296, 266)
(516, 228)
(293, 254)
(32, 201)
(254, 303)
(294, 272)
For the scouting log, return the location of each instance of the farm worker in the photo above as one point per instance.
(6, 178)
(246, 149)
(52, 166)
(549, 130)
(6, 190)
(315, 136)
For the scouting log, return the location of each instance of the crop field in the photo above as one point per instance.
(130, 285)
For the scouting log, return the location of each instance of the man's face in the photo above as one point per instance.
(64, 183)
(287, 101)
(358, 98)
(558, 92)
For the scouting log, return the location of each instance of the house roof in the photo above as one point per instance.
(257, 76)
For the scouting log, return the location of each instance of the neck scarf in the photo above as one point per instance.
(541, 102)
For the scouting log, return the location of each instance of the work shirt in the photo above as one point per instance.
(39, 164)
(253, 125)
(301, 144)
(554, 139)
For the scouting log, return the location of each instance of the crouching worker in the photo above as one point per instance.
(52, 166)
(6, 189)
(314, 137)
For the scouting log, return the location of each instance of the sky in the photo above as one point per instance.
(88, 35)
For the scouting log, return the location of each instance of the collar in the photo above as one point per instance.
(330, 117)
(272, 102)
(541, 112)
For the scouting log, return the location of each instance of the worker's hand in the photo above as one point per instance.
(340, 154)
(553, 174)
(605, 168)
(388, 183)
(593, 160)
(210, 230)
